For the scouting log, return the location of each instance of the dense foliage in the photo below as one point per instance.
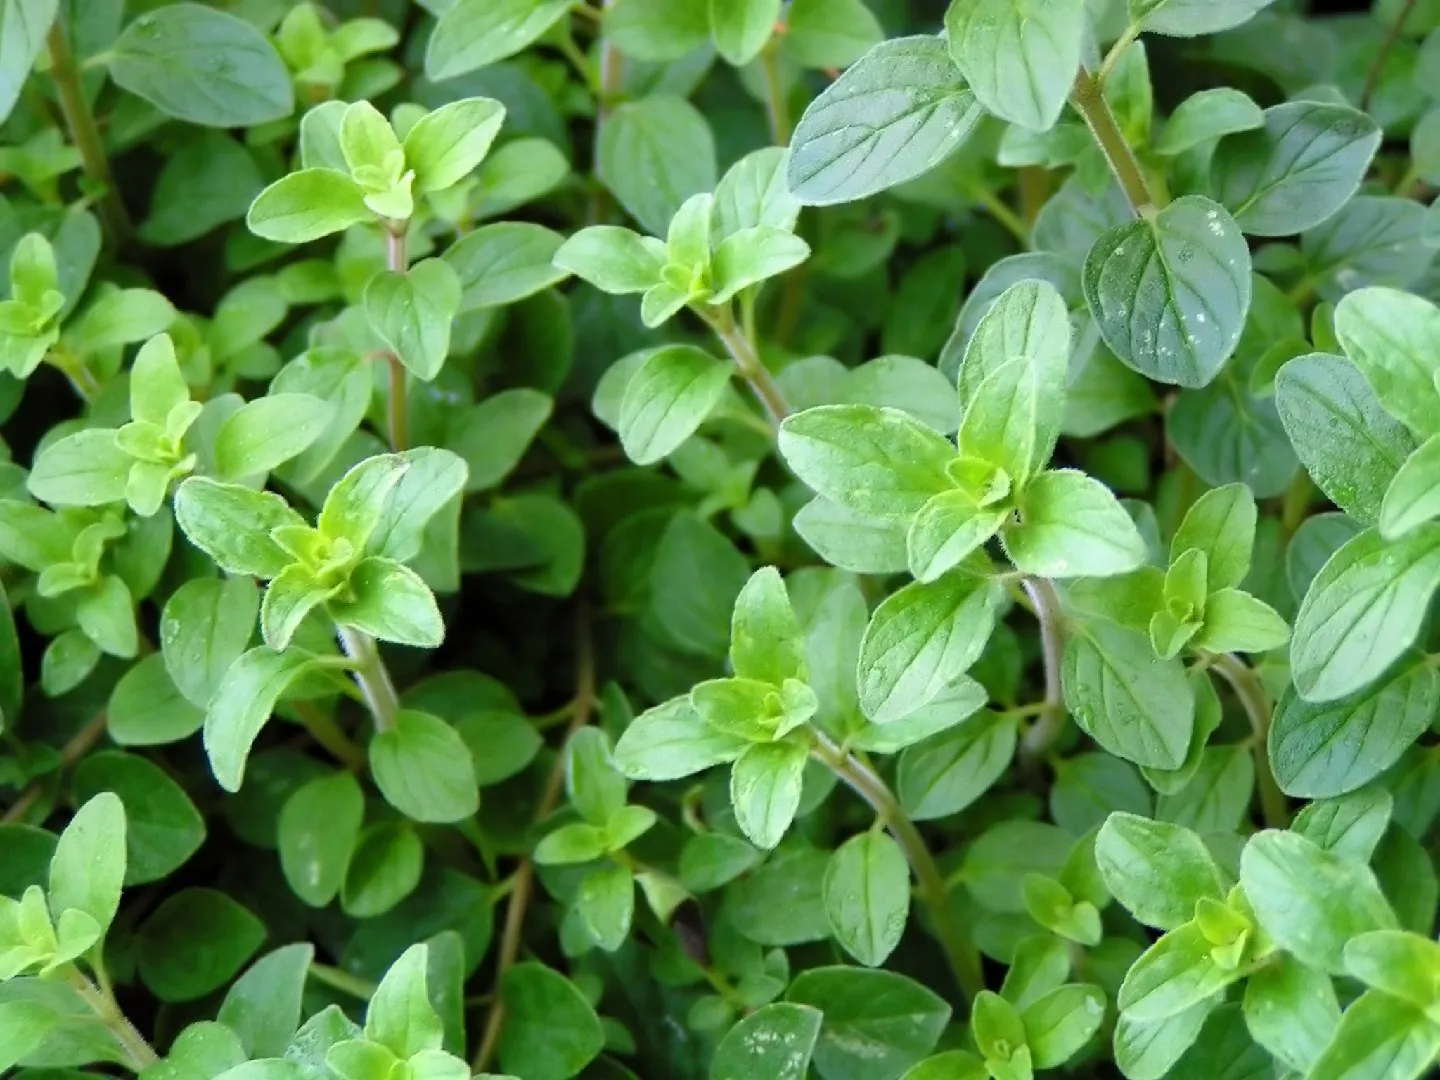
(719, 539)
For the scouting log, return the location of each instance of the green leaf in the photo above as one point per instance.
(476, 33)
(1208, 115)
(753, 192)
(307, 205)
(613, 259)
(874, 461)
(1413, 497)
(242, 703)
(319, 830)
(877, 1023)
(88, 868)
(1363, 610)
(1221, 523)
(84, 469)
(494, 435)
(765, 790)
(391, 602)
(1394, 339)
(895, 114)
(867, 896)
(412, 313)
(1320, 751)
(265, 433)
(1351, 826)
(25, 1025)
(742, 27)
(432, 478)
(232, 525)
(204, 627)
(860, 543)
(574, 843)
(667, 399)
(751, 256)
(1177, 973)
(1396, 962)
(1291, 1011)
(1058, 1025)
(1131, 702)
(606, 905)
(550, 1032)
(948, 528)
(653, 154)
(775, 1041)
(122, 316)
(262, 1007)
(1191, 18)
(765, 638)
(1070, 525)
(400, 1016)
(918, 640)
(949, 771)
(1170, 294)
(1157, 870)
(384, 870)
(670, 741)
(145, 708)
(23, 24)
(1309, 900)
(424, 769)
(1020, 61)
(1235, 621)
(1146, 1050)
(596, 788)
(195, 942)
(1297, 170)
(204, 66)
(1379, 1036)
(505, 262)
(211, 180)
(445, 146)
(162, 827)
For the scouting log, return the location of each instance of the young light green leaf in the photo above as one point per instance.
(1291, 1010)
(670, 742)
(874, 461)
(1413, 497)
(918, 640)
(765, 638)
(1394, 339)
(1309, 900)
(307, 205)
(1208, 115)
(84, 469)
(205, 66)
(267, 432)
(765, 790)
(1020, 61)
(867, 896)
(243, 703)
(742, 27)
(898, 112)
(1058, 1025)
(1379, 1032)
(445, 146)
(1070, 525)
(753, 255)
(1363, 610)
(232, 525)
(1297, 170)
(1221, 523)
(391, 602)
(948, 528)
(613, 259)
(1157, 870)
(1177, 973)
(1170, 294)
(87, 870)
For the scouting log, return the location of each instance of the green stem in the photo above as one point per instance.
(1090, 103)
(747, 362)
(1128, 38)
(1297, 502)
(1377, 66)
(84, 134)
(371, 676)
(140, 1054)
(325, 731)
(1256, 702)
(397, 261)
(777, 108)
(963, 957)
(343, 981)
(1046, 730)
(1013, 222)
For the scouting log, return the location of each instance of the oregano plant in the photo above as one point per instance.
(719, 539)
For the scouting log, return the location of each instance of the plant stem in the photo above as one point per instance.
(777, 108)
(1377, 66)
(1014, 224)
(1043, 733)
(140, 1053)
(84, 134)
(748, 363)
(397, 261)
(523, 880)
(1116, 52)
(371, 676)
(1090, 103)
(325, 731)
(1256, 702)
(343, 981)
(70, 753)
(963, 957)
